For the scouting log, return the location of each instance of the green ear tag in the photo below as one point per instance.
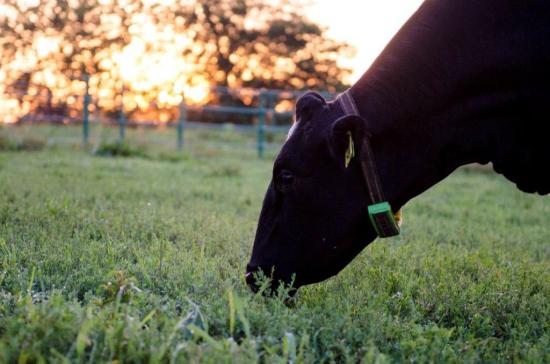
(383, 220)
(350, 152)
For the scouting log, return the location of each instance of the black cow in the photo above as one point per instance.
(464, 81)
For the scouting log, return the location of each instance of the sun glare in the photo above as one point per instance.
(152, 61)
(151, 68)
(198, 93)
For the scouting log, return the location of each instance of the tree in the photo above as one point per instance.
(264, 44)
(156, 50)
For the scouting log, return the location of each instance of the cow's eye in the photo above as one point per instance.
(284, 180)
(287, 177)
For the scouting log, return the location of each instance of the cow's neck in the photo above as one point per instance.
(414, 154)
(431, 100)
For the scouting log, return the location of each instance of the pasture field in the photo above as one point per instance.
(141, 259)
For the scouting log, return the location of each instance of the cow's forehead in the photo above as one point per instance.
(331, 112)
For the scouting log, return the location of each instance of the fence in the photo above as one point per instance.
(262, 116)
(259, 112)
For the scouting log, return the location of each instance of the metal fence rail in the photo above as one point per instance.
(261, 113)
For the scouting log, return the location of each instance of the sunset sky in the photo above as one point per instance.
(368, 25)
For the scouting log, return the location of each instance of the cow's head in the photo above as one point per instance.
(314, 219)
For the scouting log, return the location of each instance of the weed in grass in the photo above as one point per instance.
(172, 157)
(117, 149)
(225, 171)
(31, 144)
(27, 143)
(120, 288)
(5, 143)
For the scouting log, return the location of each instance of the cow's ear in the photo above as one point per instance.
(307, 104)
(345, 139)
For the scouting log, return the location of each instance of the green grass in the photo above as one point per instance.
(141, 260)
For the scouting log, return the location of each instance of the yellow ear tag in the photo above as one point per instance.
(399, 218)
(350, 152)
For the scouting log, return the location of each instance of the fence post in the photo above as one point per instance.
(86, 112)
(261, 124)
(121, 120)
(181, 124)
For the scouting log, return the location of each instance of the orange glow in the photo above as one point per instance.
(159, 64)
(9, 109)
(151, 68)
(46, 45)
(284, 106)
(161, 68)
(198, 93)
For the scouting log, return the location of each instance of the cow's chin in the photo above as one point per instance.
(314, 276)
(333, 266)
(306, 271)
